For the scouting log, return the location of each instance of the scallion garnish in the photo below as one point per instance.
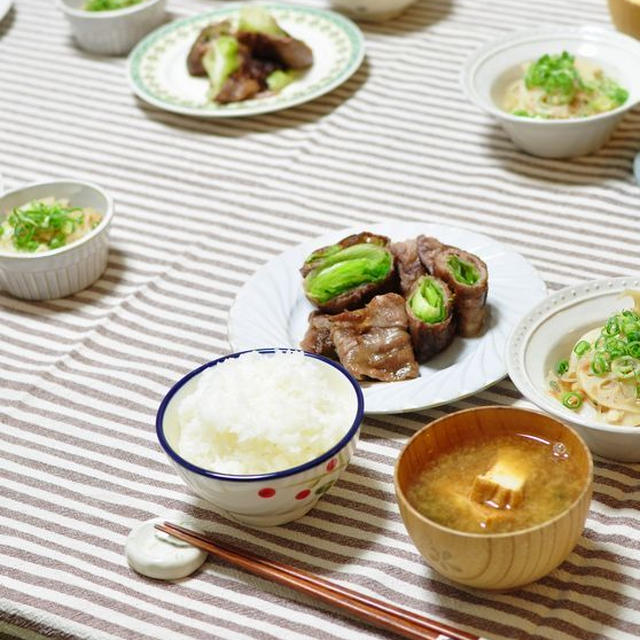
(562, 366)
(611, 328)
(633, 349)
(599, 364)
(39, 223)
(616, 348)
(572, 400)
(625, 367)
(581, 348)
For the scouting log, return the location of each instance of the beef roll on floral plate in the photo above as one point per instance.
(380, 300)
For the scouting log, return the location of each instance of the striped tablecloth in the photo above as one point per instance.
(200, 206)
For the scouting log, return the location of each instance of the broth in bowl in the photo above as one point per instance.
(501, 484)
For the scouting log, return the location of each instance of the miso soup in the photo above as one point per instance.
(503, 484)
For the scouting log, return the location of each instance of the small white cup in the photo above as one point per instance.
(112, 33)
(69, 269)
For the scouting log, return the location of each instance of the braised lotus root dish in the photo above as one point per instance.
(561, 86)
(506, 483)
(253, 56)
(382, 308)
(603, 370)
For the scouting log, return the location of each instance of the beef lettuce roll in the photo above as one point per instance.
(431, 322)
(467, 277)
(348, 274)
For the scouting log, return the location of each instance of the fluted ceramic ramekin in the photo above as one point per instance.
(112, 33)
(265, 499)
(69, 269)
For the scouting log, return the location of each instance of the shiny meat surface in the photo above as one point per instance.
(317, 339)
(374, 342)
(408, 263)
(237, 87)
(292, 53)
(246, 81)
(428, 249)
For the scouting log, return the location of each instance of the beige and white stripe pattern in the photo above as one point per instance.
(199, 206)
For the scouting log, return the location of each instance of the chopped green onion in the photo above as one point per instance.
(572, 400)
(633, 349)
(109, 5)
(625, 367)
(628, 326)
(611, 328)
(38, 223)
(633, 336)
(581, 348)
(616, 348)
(600, 344)
(562, 366)
(599, 365)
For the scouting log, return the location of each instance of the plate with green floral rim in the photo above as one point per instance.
(158, 73)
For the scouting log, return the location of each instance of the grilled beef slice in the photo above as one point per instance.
(374, 342)
(408, 263)
(317, 339)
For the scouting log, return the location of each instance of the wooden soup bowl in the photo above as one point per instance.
(491, 560)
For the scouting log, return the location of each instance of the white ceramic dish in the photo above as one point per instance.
(488, 71)
(371, 10)
(69, 269)
(158, 72)
(112, 33)
(267, 499)
(547, 334)
(465, 367)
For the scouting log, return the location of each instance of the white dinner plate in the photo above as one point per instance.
(158, 74)
(271, 311)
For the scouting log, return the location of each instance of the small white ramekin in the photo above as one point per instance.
(488, 71)
(69, 269)
(371, 10)
(112, 33)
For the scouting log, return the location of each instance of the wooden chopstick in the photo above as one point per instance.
(384, 614)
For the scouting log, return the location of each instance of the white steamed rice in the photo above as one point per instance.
(264, 413)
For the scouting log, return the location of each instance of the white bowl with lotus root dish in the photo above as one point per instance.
(546, 117)
(577, 356)
(261, 435)
(54, 238)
